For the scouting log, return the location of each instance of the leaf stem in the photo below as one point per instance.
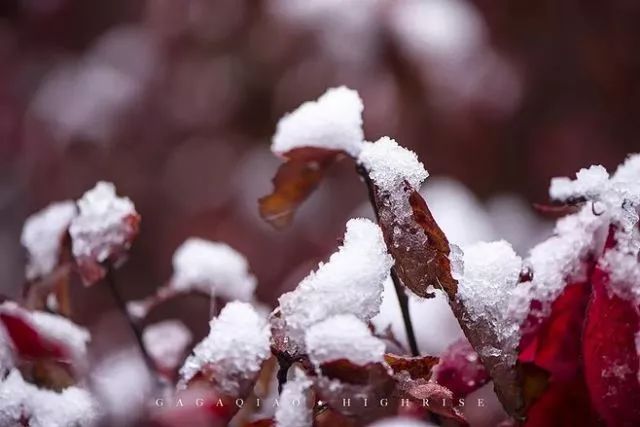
(403, 300)
(122, 307)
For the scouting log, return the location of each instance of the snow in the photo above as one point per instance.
(101, 223)
(343, 337)
(559, 260)
(42, 236)
(491, 274)
(237, 345)
(214, 268)
(401, 422)
(6, 353)
(97, 89)
(333, 122)
(611, 200)
(390, 165)
(293, 409)
(54, 327)
(447, 42)
(618, 195)
(441, 30)
(333, 22)
(351, 282)
(73, 406)
(166, 342)
(589, 182)
(121, 382)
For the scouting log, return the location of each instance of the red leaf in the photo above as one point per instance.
(563, 404)
(551, 363)
(460, 369)
(28, 342)
(610, 354)
(555, 345)
(294, 182)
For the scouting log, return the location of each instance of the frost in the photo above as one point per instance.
(166, 342)
(54, 327)
(234, 350)
(351, 282)
(20, 400)
(102, 223)
(293, 409)
(491, 274)
(42, 236)
(333, 122)
(213, 268)
(343, 337)
(390, 165)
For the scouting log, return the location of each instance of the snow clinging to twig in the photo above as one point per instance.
(42, 236)
(351, 282)
(293, 410)
(390, 165)
(333, 122)
(234, 350)
(343, 337)
(213, 268)
(102, 223)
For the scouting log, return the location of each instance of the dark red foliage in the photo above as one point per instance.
(28, 342)
(551, 362)
(294, 182)
(460, 369)
(610, 355)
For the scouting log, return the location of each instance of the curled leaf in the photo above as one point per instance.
(416, 242)
(420, 367)
(294, 182)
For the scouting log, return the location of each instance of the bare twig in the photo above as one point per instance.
(122, 306)
(403, 300)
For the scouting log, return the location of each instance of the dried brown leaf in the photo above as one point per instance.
(420, 367)
(294, 182)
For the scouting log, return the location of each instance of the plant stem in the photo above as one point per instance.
(122, 306)
(403, 300)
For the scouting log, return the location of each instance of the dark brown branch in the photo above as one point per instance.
(403, 300)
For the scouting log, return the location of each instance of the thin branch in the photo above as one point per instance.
(122, 306)
(403, 300)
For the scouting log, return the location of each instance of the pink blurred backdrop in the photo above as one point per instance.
(176, 102)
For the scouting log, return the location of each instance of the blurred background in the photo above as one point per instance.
(175, 101)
